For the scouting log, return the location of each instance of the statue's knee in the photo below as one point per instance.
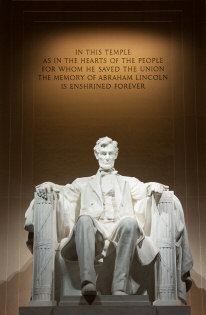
(129, 225)
(85, 220)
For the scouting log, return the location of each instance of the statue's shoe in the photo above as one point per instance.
(119, 293)
(89, 289)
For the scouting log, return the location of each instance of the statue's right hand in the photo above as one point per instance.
(43, 189)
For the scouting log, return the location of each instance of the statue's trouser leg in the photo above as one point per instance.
(85, 247)
(127, 236)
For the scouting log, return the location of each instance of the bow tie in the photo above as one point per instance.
(108, 172)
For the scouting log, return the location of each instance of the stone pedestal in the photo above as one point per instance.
(106, 305)
(106, 300)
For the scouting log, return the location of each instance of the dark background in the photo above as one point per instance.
(49, 136)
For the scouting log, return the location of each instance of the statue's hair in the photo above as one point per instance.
(103, 142)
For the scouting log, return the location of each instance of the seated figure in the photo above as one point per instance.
(109, 213)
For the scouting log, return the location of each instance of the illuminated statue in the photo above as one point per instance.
(108, 213)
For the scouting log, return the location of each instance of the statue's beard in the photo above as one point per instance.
(106, 165)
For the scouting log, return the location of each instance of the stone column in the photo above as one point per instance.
(165, 273)
(43, 293)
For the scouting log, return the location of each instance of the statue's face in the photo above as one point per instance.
(106, 157)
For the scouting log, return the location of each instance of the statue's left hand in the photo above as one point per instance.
(43, 189)
(156, 189)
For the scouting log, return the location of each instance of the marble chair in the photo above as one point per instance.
(54, 279)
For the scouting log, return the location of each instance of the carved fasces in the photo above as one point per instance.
(44, 251)
(165, 273)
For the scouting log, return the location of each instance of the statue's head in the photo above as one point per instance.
(106, 152)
